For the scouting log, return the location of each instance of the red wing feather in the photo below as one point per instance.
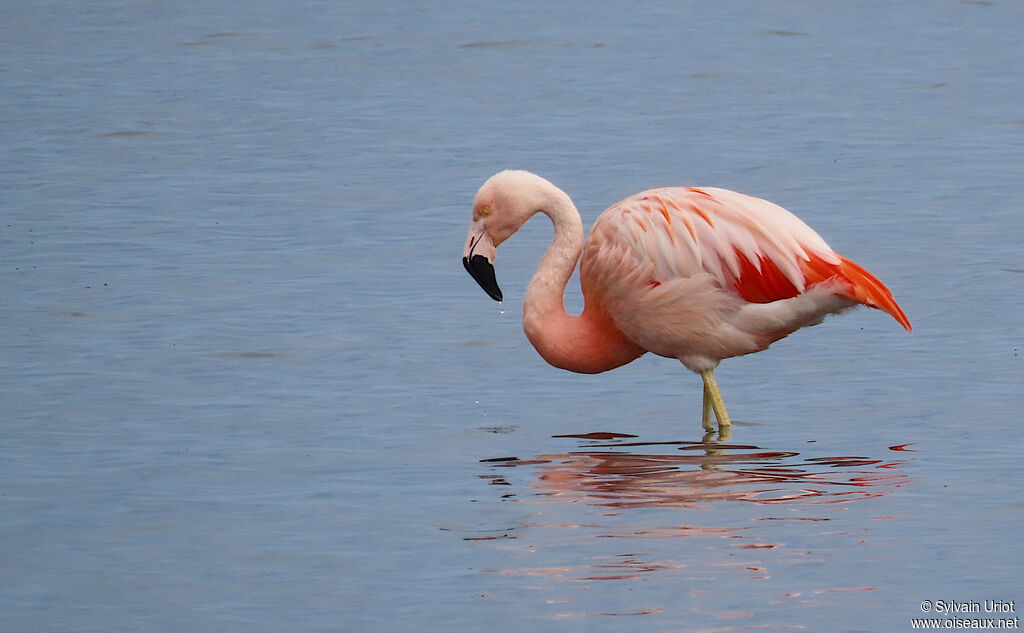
(867, 289)
(764, 282)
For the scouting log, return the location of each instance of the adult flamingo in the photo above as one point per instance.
(699, 274)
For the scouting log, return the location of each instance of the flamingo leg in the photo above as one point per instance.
(706, 411)
(712, 393)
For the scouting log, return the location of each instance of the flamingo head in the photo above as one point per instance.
(504, 203)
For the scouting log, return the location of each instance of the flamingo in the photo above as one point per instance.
(699, 274)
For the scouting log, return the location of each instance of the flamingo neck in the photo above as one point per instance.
(588, 343)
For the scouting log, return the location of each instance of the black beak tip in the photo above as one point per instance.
(483, 272)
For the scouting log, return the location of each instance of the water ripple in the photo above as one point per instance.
(614, 488)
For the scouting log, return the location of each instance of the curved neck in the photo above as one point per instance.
(588, 343)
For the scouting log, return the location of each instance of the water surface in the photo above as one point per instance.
(247, 386)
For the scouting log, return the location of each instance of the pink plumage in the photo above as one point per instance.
(697, 274)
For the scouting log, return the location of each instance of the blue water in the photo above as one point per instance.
(247, 386)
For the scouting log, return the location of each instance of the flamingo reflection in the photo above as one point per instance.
(617, 475)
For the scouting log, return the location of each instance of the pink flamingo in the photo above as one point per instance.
(698, 274)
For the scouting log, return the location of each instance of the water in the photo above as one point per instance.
(247, 386)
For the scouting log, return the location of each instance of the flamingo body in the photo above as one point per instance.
(703, 274)
(697, 274)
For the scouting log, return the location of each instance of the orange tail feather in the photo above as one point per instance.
(865, 288)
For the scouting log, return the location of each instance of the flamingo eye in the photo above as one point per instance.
(485, 211)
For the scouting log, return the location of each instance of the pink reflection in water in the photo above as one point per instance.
(695, 474)
(619, 478)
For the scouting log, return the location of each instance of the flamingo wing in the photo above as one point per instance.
(754, 247)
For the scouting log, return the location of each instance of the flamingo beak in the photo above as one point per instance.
(478, 258)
